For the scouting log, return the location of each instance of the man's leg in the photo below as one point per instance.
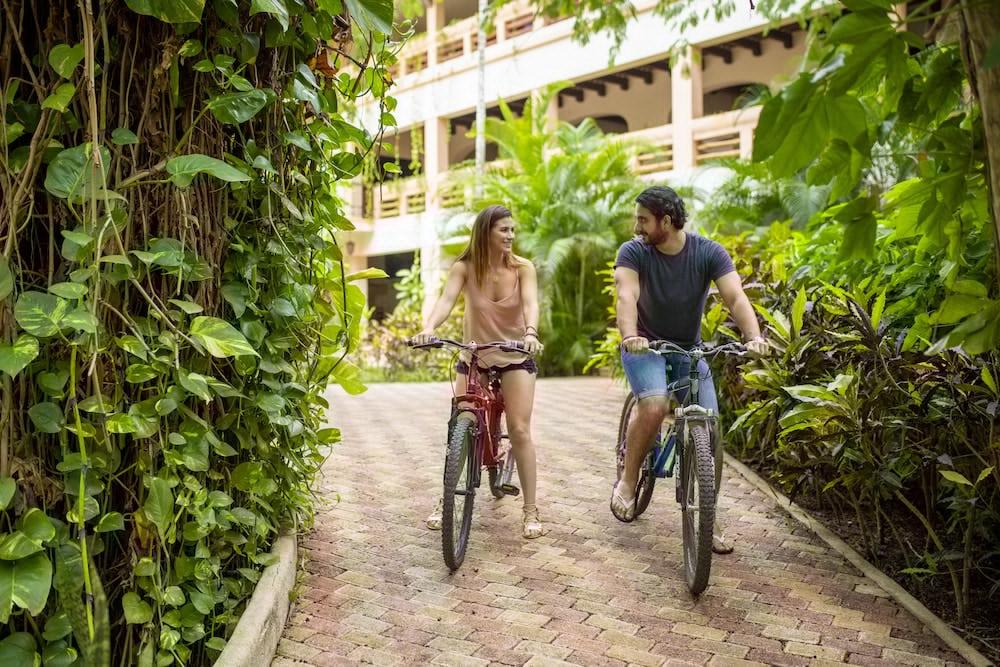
(646, 374)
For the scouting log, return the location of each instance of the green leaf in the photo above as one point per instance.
(60, 99)
(57, 627)
(137, 611)
(81, 319)
(18, 650)
(47, 417)
(174, 596)
(64, 58)
(40, 314)
(374, 15)
(236, 108)
(195, 384)
(14, 358)
(275, 8)
(878, 309)
(69, 290)
(97, 405)
(25, 583)
(957, 307)
(169, 11)
(8, 487)
(188, 307)
(110, 522)
(123, 137)
(983, 474)
(859, 237)
(6, 278)
(121, 423)
(190, 48)
(17, 545)
(37, 526)
(184, 168)
(220, 338)
(71, 175)
(988, 380)
(367, 274)
(159, 505)
(139, 373)
(798, 311)
(956, 477)
(970, 287)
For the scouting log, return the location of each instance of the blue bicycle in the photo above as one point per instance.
(690, 437)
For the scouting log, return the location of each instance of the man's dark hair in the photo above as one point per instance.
(661, 201)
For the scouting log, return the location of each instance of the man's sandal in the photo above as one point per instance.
(624, 510)
(434, 520)
(531, 524)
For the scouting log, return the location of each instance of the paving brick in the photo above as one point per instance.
(591, 592)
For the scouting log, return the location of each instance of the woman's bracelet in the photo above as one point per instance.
(531, 330)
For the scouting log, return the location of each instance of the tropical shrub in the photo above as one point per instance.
(172, 307)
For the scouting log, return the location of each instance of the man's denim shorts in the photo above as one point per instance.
(647, 375)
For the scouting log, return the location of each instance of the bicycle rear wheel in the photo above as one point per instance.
(459, 490)
(647, 478)
(698, 504)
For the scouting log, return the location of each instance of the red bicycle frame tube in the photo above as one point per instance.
(487, 404)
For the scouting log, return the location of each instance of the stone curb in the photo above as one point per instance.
(255, 640)
(897, 592)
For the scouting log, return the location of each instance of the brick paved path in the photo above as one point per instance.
(591, 592)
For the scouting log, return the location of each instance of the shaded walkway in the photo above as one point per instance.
(591, 592)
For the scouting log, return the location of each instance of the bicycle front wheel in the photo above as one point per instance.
(459, 490)
(698, 504)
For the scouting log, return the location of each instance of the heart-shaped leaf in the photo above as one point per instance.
(184, 168)
(47, 417)
(220, 338)
(6, 278)
(60, 99)
(72, 174)
(64, 58)
(169, 11)
(13, 358)
(375, 15)
(236, 108)
(276, 8)
(25, 583)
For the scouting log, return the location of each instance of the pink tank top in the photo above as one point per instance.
(488, 321)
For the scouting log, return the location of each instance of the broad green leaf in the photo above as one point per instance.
(37, 525)
(53, 383)
(64, 58)
(110, 522)
(859, 237)
(97, 404)
(970, 287)
(14, 358)
(220, 338)
(367, 274)
(18, 650)
(40, 314)
(956, 477)
(72, 175)
(17, 545)
(957, 307)
(374, 15)
(988, 380)
(139, 373)
(60, 99)
(6, 278)
(133, 346)
(275, 8)
(174, 596)
(169, 11)
(137, 611)
(159, 505)
(184, 168)
(195, 384)
(189, 307)
(81, 319)
(69, 290)
(47, 417)
(190, 48)
(57, 627)
(25, 584)
(8, 487)
(236, 108)
(120, 423)
(123, 137)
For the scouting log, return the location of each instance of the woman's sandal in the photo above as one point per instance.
(623, 510)
(434, 520)
(531, 524)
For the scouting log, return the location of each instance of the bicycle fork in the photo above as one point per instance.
(683, 418)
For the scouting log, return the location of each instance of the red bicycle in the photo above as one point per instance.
(475, 440)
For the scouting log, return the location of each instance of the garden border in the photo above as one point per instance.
(255, 639)
(886, 583)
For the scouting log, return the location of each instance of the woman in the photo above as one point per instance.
(501, 303)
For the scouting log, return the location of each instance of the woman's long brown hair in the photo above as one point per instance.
(477, 253)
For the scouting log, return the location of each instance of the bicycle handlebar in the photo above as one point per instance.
(701, 350)
(505, 345)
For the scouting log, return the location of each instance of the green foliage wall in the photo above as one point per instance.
(172, 307)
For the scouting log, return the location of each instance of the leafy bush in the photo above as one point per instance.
(172, 307)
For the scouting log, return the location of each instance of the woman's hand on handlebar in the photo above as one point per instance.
(532, 345)
(425, 337)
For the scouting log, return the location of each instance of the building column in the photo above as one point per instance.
(435, 22)
(686, 104)
(435, 169)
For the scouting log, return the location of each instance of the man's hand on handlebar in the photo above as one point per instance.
(635, 344)
(758, 346)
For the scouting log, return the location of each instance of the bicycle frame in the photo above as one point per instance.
(485, 401)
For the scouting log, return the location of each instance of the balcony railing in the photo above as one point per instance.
(717, 136)
(461, 38)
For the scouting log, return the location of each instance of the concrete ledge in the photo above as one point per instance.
(255, 639)
(895, 591)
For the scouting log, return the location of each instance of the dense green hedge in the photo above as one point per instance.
(172, 307)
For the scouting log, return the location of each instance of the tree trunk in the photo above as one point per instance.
(981, 25)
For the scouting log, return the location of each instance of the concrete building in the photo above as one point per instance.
(684, 110)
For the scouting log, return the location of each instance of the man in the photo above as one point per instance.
(662, 279)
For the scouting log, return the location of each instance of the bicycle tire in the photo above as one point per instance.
(456, 511)
(647, 478)
(698, 506)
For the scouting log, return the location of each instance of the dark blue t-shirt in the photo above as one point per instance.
(673, 288)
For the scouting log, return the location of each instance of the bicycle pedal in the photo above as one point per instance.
(510, 489)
